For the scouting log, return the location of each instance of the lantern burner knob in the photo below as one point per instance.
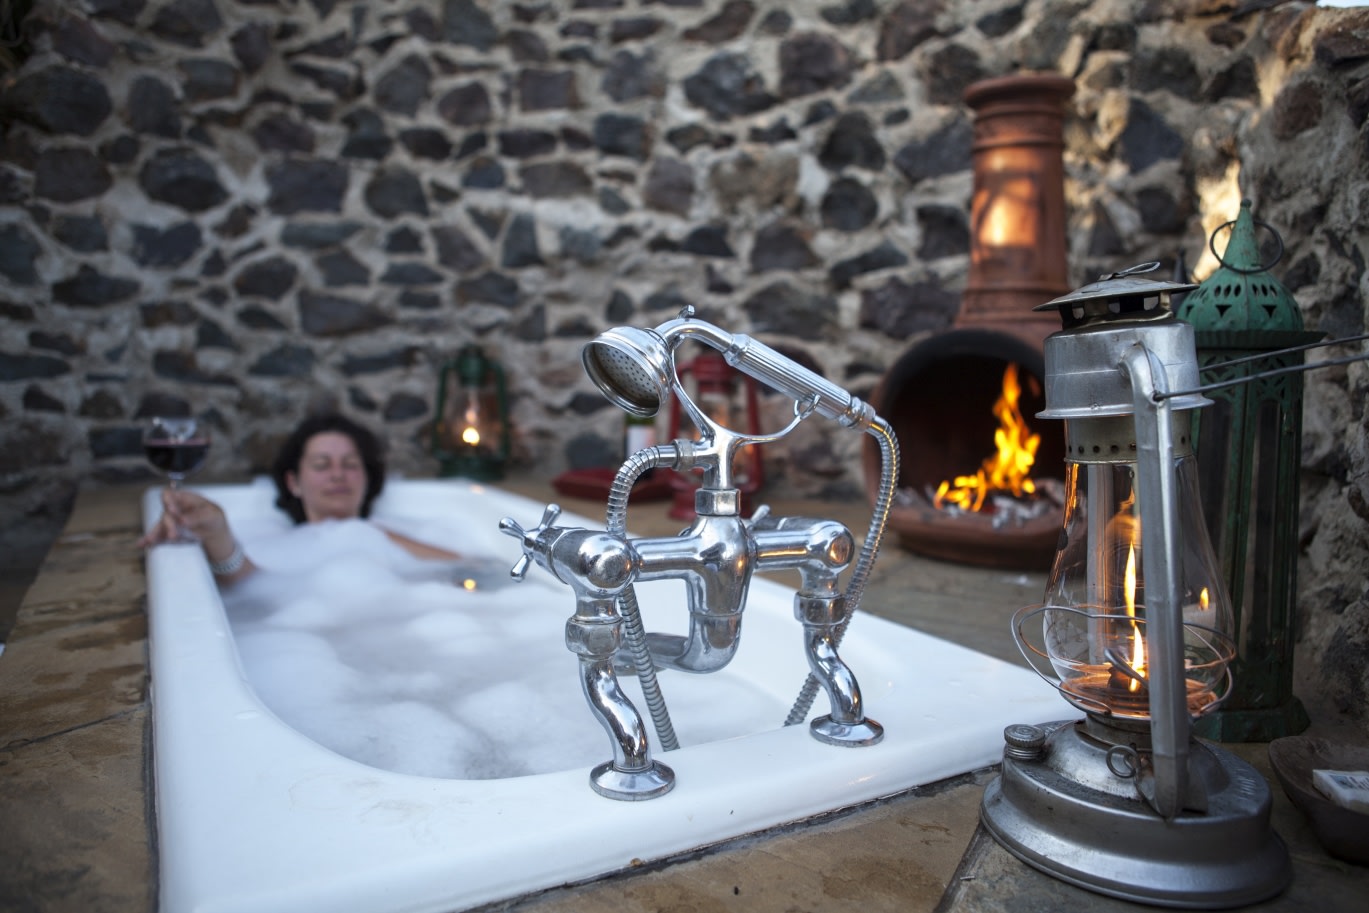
(1024, 742)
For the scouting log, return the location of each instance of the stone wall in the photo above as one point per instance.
(249, 208)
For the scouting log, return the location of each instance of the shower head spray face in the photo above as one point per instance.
(633, 368)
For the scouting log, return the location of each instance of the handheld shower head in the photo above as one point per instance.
(632, 367)
(635, 369)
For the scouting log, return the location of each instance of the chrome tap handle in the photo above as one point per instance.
(510, 527)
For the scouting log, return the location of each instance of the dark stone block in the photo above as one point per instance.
(949, 71)
(885, 256)
(730, 22)
(306, 185)
(173, 313)
(782, 246)
(489, 288)
(687, 137)
(785, 308)
(580, 245)
(776, 22)
(526, 46)
(209, 335)
(591, 451)
(357, 365)
(1165, 69)
(331, 315)
(881, 89)
(852, 144)
(619, 308)
(629, 76)
(27, 366)
(346, 84)
(622, 134)
(280, 132)
(726, 86)
(526, 143)
(778, 132)
(1147, 139)
(366, 138)
(404, 240)
(708, 241)
(162, 404)
(999, 22)
(945, 151)
(466, 106)
(271, 278)
(464, 22)
(121, 150)
(484, 174)
(1342, 46)
(669, 186)
(108, 443)
(101, 404)
(60, 343)
(76, 39)
(409, 274)
(361, 400)
(67, 175)
(286, 360)
(401, 407)
(899, 309)
(547, 90)
(813, 62)
(153, 108)
(1161, 213)
(1297, 108)
(666, 299)
(255, 317)
(945, 232)
(59, 99)
(471, 144)
(188, 23)
(848, 205)
(404, 88)
(612, 202)
(426, 143)
(1103, 239)
(251, 46)
(159, 248)
(455, 250)
(520, 243)
(395, 191)
(850, 13)
(92, 288)
(181, 178)
(317, 235)
(419, 301)
(208, 79)
(19, 252)
(182, 367)
(635, 28)
(555, 179)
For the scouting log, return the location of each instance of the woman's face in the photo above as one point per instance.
(331, 479)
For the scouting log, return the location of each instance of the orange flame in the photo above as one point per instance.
(1007, 470)
(1138, 645)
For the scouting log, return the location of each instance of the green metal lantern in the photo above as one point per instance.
(1249, 445)
(470, 436)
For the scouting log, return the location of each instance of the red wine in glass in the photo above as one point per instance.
(176, 447)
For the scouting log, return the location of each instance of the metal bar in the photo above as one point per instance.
(1272, 372)
(1170, 726)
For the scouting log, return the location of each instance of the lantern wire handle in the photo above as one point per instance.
(1272, 372)
(1212, 246)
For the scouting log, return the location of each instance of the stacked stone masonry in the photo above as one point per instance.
(251, 208)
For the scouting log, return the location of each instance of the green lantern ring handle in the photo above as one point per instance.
(1212, 246)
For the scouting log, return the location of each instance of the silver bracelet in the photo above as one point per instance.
(230, 565)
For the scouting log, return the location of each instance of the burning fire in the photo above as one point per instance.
(1007, 470)
(471, 434)
(1138, 644)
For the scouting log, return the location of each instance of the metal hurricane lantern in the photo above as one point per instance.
(1249, 446)
(1136, 631)
(470, 436)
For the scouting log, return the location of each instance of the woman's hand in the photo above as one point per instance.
(193, 513)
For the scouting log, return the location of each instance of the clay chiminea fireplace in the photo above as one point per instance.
(949, 397)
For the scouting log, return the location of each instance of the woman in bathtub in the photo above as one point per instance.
(330, 468)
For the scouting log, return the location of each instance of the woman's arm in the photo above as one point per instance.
(205, 520)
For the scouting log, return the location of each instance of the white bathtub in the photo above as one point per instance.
(254, 817)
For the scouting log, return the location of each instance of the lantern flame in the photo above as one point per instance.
(471, 433)
(1138, 645)
(1008, 469)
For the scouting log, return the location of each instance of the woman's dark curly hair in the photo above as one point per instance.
(292, 453)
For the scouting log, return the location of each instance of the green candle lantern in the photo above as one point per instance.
(470, 436)
(1248, 445)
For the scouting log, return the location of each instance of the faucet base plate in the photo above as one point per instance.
(632, 785)
(850, 735)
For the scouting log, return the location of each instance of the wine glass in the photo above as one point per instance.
(176, 447)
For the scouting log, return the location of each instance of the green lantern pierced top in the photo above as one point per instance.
(1242, 296)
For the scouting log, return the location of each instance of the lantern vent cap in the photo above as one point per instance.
(1242, 295)
(1123, 295)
